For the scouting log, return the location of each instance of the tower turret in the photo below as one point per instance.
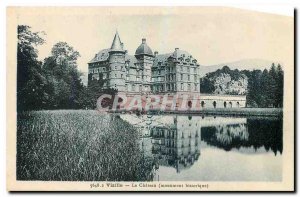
(145, 58)
(117, 64)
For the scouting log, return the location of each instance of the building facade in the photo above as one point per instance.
(146, 72)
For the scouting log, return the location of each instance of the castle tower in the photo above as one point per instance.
(117, 64)
(145, 60)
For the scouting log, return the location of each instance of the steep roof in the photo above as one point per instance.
(143, 49)
(161, 58)
(116, 44)
(180, 53)
(131, 60)
(101, 56)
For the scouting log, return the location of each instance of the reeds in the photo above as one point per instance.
(78, 146)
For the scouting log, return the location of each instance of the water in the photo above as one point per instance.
(210, 148)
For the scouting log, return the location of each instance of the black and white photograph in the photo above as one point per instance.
(149, 99)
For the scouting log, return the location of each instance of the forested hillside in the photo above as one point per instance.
(262, 88)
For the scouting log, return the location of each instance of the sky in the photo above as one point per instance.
(212, 35)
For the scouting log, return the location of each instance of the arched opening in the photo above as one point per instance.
(230, 104)
(202, 104)
(238, 104)
(120, 100)
(190, 104)
(225, 104)
(214, 104)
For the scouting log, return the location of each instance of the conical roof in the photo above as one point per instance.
(117, 44)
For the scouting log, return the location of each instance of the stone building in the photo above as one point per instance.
(146, 73)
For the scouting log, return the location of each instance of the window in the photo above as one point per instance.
(189, 87)
(141, 89)
(181, 86)
(126, 87)
(115, 67)
(195, 78)
(115, 75)
(194, 70)
(188, 69)
(195, 87)
(181, 68)
(104, 69)
(133, 88)
(181, 77)
(188, 77)
(121, 75)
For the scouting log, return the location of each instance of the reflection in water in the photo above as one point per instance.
(255, 134)
(174, 147)
(178, 142)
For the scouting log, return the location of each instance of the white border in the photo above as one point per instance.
(275, 6)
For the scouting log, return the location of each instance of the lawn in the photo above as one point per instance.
(78, 145)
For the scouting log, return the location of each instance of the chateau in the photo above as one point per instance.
(143, 72)
(146, 73)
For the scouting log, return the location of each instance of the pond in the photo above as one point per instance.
(211, 148)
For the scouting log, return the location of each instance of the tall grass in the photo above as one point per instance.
(78, 146)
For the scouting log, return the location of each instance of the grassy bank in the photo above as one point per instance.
(77, 146)
(265, 112)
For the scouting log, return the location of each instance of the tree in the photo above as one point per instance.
(30, 78)
(265, 88)
(206, 85)
(272, 86)
(280, 86)
(60, 68)
(94, 90)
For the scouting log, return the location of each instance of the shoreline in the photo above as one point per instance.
(263, 112)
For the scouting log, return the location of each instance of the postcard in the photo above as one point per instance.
(149, 99)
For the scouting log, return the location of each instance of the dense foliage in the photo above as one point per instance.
(265, 88)
(54, 83)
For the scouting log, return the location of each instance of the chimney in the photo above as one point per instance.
(144, 41)
(176, 49)
(155, 53)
